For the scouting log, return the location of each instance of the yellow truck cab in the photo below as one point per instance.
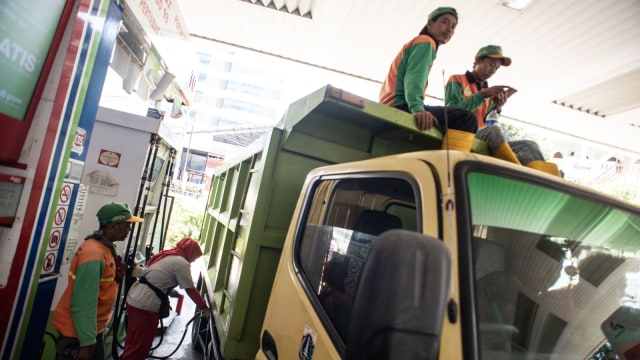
(408, 253)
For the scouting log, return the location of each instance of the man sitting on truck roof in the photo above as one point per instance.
(408, 77)
(471, 91)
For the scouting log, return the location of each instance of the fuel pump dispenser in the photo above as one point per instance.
(129, 159)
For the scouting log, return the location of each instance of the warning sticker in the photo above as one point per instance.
(109, 158)
(49, 262)
(65, 194)
(54, 239)
(60, 216)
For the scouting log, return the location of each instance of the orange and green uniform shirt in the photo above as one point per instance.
(84, 311)
(408, 76)
(463, 92)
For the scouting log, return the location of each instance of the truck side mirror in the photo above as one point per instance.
(400, 302)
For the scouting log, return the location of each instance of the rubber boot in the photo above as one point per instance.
(548, 167)
(504, 152)
(458, 140)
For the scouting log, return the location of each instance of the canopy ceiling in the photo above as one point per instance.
(576, 63)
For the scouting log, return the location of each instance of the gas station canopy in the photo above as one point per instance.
(576, 64)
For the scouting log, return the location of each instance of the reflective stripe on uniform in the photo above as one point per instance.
(110, 279)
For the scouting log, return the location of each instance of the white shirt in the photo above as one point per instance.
(165, 274)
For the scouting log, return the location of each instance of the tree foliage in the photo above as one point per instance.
(186, 218)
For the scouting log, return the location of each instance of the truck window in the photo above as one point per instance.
(343, 220)
(549, 267)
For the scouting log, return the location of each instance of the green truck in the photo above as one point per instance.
(345, 232)
(253, 196)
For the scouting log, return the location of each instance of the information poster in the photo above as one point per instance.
(27, 28)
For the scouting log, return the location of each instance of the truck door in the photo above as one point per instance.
(336, 222)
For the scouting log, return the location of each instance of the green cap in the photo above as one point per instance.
(441, 11)
(494, 52)
(116, 212)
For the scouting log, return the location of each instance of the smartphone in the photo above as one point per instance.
(509, 90)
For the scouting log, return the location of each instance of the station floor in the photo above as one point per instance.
(174, 333)
(171, 346)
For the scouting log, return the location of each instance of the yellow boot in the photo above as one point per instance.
(458, 140)
(504, 152)
(549, 168)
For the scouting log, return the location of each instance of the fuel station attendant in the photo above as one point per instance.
(85, 308)
(165, 270)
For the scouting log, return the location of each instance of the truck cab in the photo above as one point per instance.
(501, 262)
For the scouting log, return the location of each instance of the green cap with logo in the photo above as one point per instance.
(494, 52)
(116, 212)
(441, 11)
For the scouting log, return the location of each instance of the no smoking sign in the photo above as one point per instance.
(65, 194)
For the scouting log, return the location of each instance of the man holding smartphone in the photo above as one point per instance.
(470, 91)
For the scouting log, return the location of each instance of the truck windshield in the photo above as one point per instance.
(550, 267)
